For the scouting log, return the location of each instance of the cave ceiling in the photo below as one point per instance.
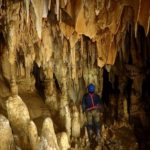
(70, 40)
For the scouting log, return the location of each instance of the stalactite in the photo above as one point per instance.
(38, 8)
(0, 3)
(45, 8)
(99, 6)
(49, 5)
(12, 42)
(73, 63)
(46, 45)
(100, 87)
(143, 15)
(148, 28)
(82, 46)
(27, 4)
(112, 53)
(125, 47)
(101, 53)
(62, 3)
(57, 9)
(86, 24)
(65, 1)
(65, 50)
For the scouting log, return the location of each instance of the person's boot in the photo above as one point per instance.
(98, 137)
(90, 132)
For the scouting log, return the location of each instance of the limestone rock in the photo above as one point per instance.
(143, 15)
(18, 113)
(75, 123)
(63, 141)
(85, 19)
(38, 8)
(54, 49)
(48, 138)
(33, 135)
(6, 136)
(64, 113)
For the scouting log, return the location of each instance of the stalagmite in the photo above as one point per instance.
(67, 121)
(6, 136)
(51, 96)
(48, 138)
(33, 135)
(75, 123)
(125, 108)
(5, 64)
(63, 141)
(18, 114)
(121, 107)
(113, 107)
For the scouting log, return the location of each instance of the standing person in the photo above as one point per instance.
(92, 105)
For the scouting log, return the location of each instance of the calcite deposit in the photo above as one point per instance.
(50, 50)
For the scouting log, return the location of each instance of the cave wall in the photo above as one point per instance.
(58, 47)
(81, 36)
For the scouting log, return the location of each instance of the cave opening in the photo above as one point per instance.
(39, 79)
(107, 87)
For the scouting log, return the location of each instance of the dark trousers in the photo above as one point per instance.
(93, 121)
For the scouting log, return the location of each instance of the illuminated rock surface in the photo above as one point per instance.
(51, 50)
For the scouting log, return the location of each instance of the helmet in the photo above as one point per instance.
(91, 88)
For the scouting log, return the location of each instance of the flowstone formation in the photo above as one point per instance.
(50, 50)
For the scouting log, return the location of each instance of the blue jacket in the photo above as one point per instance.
(91, 101)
